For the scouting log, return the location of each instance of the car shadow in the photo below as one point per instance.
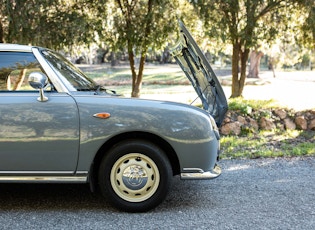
(67, 197)
(74, 197)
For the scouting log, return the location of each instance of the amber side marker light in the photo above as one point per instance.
(102, 115)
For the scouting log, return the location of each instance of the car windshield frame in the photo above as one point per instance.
(71, 76)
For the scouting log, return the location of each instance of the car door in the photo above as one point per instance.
(35, 137)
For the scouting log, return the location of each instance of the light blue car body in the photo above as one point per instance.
(61, 132)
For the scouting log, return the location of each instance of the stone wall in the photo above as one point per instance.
(236, 123)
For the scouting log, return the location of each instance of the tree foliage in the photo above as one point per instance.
(49, 23)
(243, 23)
(123, 24)
(138, 26)
(308, 26)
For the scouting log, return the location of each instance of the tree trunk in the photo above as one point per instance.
(244, 59)
(1, 33)
(132, 66)
(235, 70)
(138, 85)
(271, 66)
(254, 58)
(137, 82)
(113, 60)
(20, 80)
(238, 75)
(137, 78)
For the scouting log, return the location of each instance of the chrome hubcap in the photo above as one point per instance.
(135, 177)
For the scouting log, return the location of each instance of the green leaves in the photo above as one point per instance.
(49, 23)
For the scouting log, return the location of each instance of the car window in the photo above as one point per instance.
(15, 67)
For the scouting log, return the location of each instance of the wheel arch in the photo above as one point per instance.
(160, 142)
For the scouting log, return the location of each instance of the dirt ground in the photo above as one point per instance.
(291, 89)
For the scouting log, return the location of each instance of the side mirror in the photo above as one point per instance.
(39, 81)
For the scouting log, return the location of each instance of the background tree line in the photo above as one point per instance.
(244, 29)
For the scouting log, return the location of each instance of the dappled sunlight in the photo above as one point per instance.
(167, 82)
(290, 89)
(237, 167)
(181, 94)
(269, 144)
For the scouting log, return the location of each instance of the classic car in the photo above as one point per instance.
(59, 126)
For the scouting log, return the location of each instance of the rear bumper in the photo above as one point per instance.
(199, 174)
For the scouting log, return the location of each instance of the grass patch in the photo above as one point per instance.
(246, 106)
(110, 75)
(156, 79)
(168, 74)
(276, 143)
(269, 144)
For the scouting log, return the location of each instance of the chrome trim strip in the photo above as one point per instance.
(44, 176)
(193, 170)
(44, 179)
(38, 172)
(15, 47)
(199, 174)
(82, 173)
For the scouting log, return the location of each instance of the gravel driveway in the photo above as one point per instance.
(250, 194)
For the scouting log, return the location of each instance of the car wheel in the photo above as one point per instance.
(135, 175)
